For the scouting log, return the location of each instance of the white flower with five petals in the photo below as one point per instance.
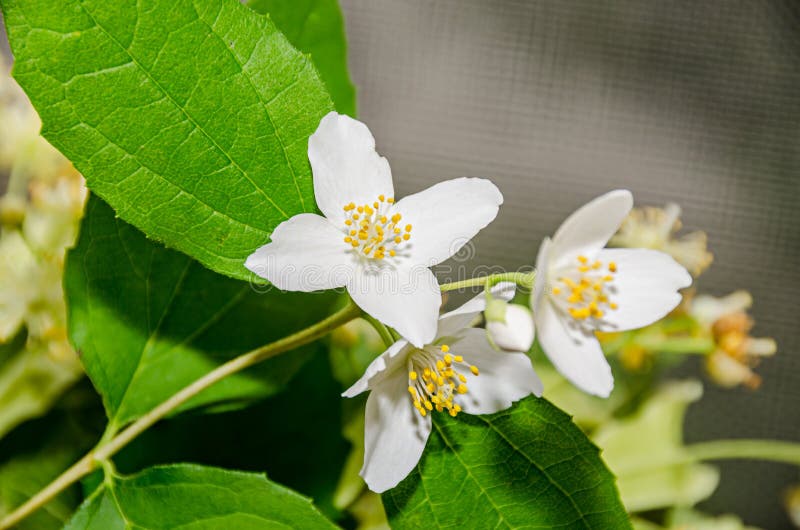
(457, 371)
(582, 287)
(379, 249)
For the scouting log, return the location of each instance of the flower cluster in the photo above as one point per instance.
(381, 249)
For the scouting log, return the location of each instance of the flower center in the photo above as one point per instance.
(435, 377)
(371, 232)
(584, 290)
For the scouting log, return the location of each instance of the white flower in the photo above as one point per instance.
(582, 287)
(379, 249)
(458, 371)
(513, 330)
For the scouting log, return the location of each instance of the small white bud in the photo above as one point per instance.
(511, 329)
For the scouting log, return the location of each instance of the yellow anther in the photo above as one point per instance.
(397, 230)
(360, 209)
(583, 259)
(596, 265)
(355, 216)
(397, 239)
(462, 388)
(439, 365)
(406, 237)
(412, 391)
(396, 218)
(457, 408)
(612, 266)
(583, 268)
(390, 200)
(412, 375)
(431, 387)
(348, 222)
(408, 228)
(428, 405)
(422, 411)
(348, 239)
(462, 378)
(448, 359)
(375, 205)
(392, 253)
(453, 412)
(381, 197)
(556, 290)
(612, 305)
(459, 359)
(473, 369)
(445, 348)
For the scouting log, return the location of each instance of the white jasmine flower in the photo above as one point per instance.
(457, 371)
(582, 287)
(379, 249)
(512, 328)
(657, 228)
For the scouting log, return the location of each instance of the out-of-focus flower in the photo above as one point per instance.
(792, 502)
(737, 353)
(582, 287)
(510, 326)
(656, 228)
(39, 215)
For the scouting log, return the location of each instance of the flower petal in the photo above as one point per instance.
(575, 354)
(346, 166)
(456, 320)
(378, 369)
(588, 229)
(405, 298)
(516, 333)
(394, 435)
(446, 216)
(307, 253)
(503, 377)
(645, 288)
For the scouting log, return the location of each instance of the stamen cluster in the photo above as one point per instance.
(434, 379)
(586, 291)
(372, 232)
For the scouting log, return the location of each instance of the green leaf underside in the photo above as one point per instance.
(148, 320)
(190, 118)
(195, 497)
(316, 27)
(525, 467)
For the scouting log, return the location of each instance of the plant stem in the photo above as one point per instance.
(523, 279)
(772, 450)
(105, 450)
(382, 330)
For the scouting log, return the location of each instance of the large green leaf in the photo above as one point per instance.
(148, 320)
(295, 437)
(195, 497)
(316, 27)
(190, 118)
(525, 467)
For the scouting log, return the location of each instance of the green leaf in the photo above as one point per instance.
(195, 497)
(148, 320)
(525, 467)
(190, 118)
(294, 436)
(316, 27)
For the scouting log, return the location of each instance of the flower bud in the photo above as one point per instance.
(510, 326)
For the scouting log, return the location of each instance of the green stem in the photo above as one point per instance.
(772, 450)
(386, 335)
(523, 279)
(107, 449)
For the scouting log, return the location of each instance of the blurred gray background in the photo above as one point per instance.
(692, 102)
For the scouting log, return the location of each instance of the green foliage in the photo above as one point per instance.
(294, 436)
(195, 497)
(148, 320)
(316, 27)
(190, 118)
(525, 467)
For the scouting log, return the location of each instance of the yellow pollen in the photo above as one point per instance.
(372, 232)
(436, 378)
(584, 292)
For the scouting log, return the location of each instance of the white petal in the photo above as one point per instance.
(380, 366)
(404, 298)
(576, 355)
(394, 435)
(542, 274)
(307, 253)
(346, 167)
(503, 377)
(516, 332)
(446, 216)
(588, 229)
(454, 321)
(645, 287)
